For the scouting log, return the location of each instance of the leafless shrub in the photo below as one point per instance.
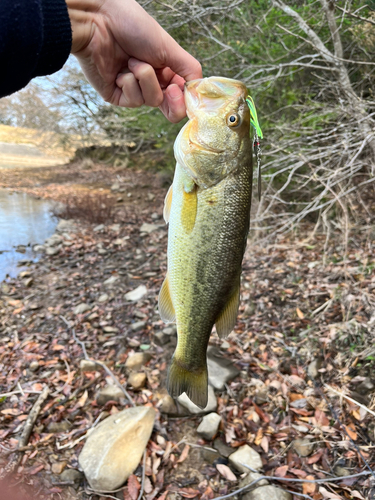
(94, 208)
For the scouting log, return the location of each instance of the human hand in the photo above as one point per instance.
(129, 58)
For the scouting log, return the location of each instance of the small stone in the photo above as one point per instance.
(168, 406)
(136, 294)
(86, 365)
(250, 478)
(267, 493)
(137, 380)
(223, 448)
(39, 248)
(34, 366)
(365, 387)
(114, 448)
(28, 282)
(220, 370)
(34, 306)
(81, 308)
(137, 360)
(110, 329)
(103, 298)
(109, 393)
(66, 226)
(115, 228)
(155, 216)
(115, 186)
(210, 456)
(58, 467)
(304, 447)
(102, 251)
(98, 228)
(247, 456)
(70, 476)
(209, 426)
(249, 309)
(54, 240)
(149, 228)
(225, 345)
(160, 338)
(194, 409)
(261, 396)
(110, 281)
(341, 471)
(138, 325)
(21, 249)
(56, 427)
(313, 368)
(170, 330)
(24, 274)
(151, 196)
(52, 250)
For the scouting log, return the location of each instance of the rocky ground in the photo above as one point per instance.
(292, 388)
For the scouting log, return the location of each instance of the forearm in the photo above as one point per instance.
(35, 40)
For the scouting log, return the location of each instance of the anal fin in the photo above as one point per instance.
(166, 309)
(227, 318)
(168, 204)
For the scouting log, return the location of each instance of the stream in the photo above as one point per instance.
(24, 222)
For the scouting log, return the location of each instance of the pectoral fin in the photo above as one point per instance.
(189, 208)
(227, 318)
(168, 204)
(166, 309)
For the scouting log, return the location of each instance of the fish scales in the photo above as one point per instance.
(208, 227)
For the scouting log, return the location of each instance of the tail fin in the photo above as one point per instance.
(193, 383)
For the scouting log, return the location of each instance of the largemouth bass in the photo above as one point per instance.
(208, 210)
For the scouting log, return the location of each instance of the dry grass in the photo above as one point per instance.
(95, 208)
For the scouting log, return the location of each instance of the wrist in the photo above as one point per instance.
(81, 14)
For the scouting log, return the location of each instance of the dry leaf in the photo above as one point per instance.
(226, 472)
(281, 471)
(350, 429)
(259, 436)
(133, 487)
(188, 492)
(300, 313)
(328, 494)
(265, 444)
(11, 411)
(184, 454)
(309, 487)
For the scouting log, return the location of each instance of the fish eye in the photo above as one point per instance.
(233, 120)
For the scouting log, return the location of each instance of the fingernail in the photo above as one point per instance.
(132, 62)
(174, 92)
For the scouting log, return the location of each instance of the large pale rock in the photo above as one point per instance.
(194, 409)
(209, 426)
(250, 478)
(114, 449)
(267, 493)
(245, 456)
(220, 370)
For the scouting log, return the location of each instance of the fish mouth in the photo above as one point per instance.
(205, 147)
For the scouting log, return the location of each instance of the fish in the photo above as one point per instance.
(207, 208)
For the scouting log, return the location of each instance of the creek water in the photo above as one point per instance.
(24, 220)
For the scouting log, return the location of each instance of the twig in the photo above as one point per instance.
(29, 424)
(143, 477)
(103, 365)
(25, 391)
(349, 399)
(291, 480)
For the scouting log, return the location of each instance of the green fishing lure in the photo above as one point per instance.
(258, 135)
